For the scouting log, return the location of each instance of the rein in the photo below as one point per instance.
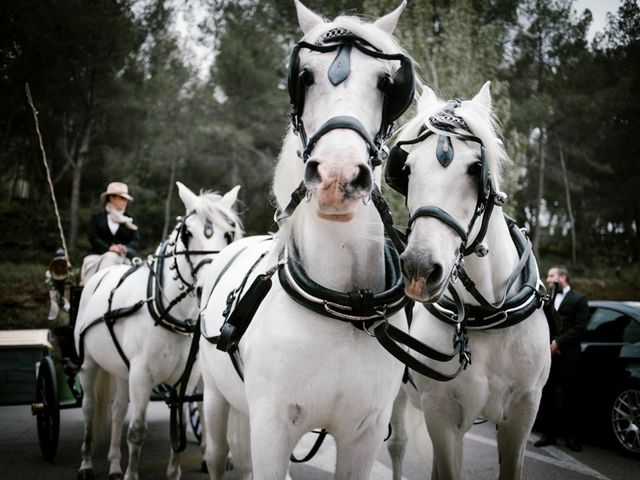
(158, 311)
(507, 311)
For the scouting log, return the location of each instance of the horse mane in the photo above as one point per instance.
(482, 123)
(210, 207)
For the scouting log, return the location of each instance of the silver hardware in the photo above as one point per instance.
(299, 153)
(383, 153)
(366, 200)
(500, 199)
(481, 250)
(375, 325)
(307, 196)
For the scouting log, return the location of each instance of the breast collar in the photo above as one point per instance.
(510, 310)
(361, 307)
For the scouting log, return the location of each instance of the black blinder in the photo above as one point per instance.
(400, 92)
(486, 185)
(395, 172)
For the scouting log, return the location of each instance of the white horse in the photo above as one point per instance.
(154, 309)
(303, 367)
(447, 163)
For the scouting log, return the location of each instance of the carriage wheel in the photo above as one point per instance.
(48, 413)
(194, 419)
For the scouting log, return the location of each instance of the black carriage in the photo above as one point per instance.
(38, 368)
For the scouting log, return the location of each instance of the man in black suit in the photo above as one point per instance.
(114, 236)
(573, 313)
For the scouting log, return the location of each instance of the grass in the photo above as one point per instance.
(24, 296)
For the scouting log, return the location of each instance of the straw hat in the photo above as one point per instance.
(117, 188)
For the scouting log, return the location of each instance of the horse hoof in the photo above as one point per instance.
(228, 465)
(116, 476)
(203, 467)
(85, 474)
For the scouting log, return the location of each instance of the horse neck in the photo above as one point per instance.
(491, 273)
(342, 256)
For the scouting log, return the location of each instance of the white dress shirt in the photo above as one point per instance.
(113, 226)
(560, 296)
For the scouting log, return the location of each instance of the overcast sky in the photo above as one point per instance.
(203, 56)
(599, 9)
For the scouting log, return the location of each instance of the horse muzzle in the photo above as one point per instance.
(424, 279)
(337, 189)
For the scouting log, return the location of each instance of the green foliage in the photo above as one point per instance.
(98, 69)
(24, 297)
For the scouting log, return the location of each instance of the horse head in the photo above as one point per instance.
(210, 223)
(447, 164)
(348, 81)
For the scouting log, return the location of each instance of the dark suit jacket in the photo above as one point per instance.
(101, 237)
(573, 313)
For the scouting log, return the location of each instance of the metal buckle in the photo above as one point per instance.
(376, 324)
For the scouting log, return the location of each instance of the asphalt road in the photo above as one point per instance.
(20, 455)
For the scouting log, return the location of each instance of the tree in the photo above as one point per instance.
(72, 53)
(548, 41)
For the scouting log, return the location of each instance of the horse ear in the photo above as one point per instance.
(427, 98)
(306, 18)
(189, 198)
(230, 197)
(390, 20)
(484, 96)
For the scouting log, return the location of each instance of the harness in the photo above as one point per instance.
(362, 308)
(154, 301)
(398, 91)
(508, 311)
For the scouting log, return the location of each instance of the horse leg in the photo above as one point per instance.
(239, 437)
(274, 434)
(88, 376)
(397, 443)
(445, 429)
(356, 456)
(139, 391)
(513, 432)
(118, 412)
(216, 414)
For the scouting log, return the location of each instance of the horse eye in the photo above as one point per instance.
(307, 77)
(228, 236)
(475, 169)
(384, 81)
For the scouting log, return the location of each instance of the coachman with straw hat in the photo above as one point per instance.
(114, 236)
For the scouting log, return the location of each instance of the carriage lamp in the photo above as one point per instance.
(500, 199)
(59, 267)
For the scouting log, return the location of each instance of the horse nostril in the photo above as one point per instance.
(363, 179)
(312, 173)
(402, 267)
(434, 275)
